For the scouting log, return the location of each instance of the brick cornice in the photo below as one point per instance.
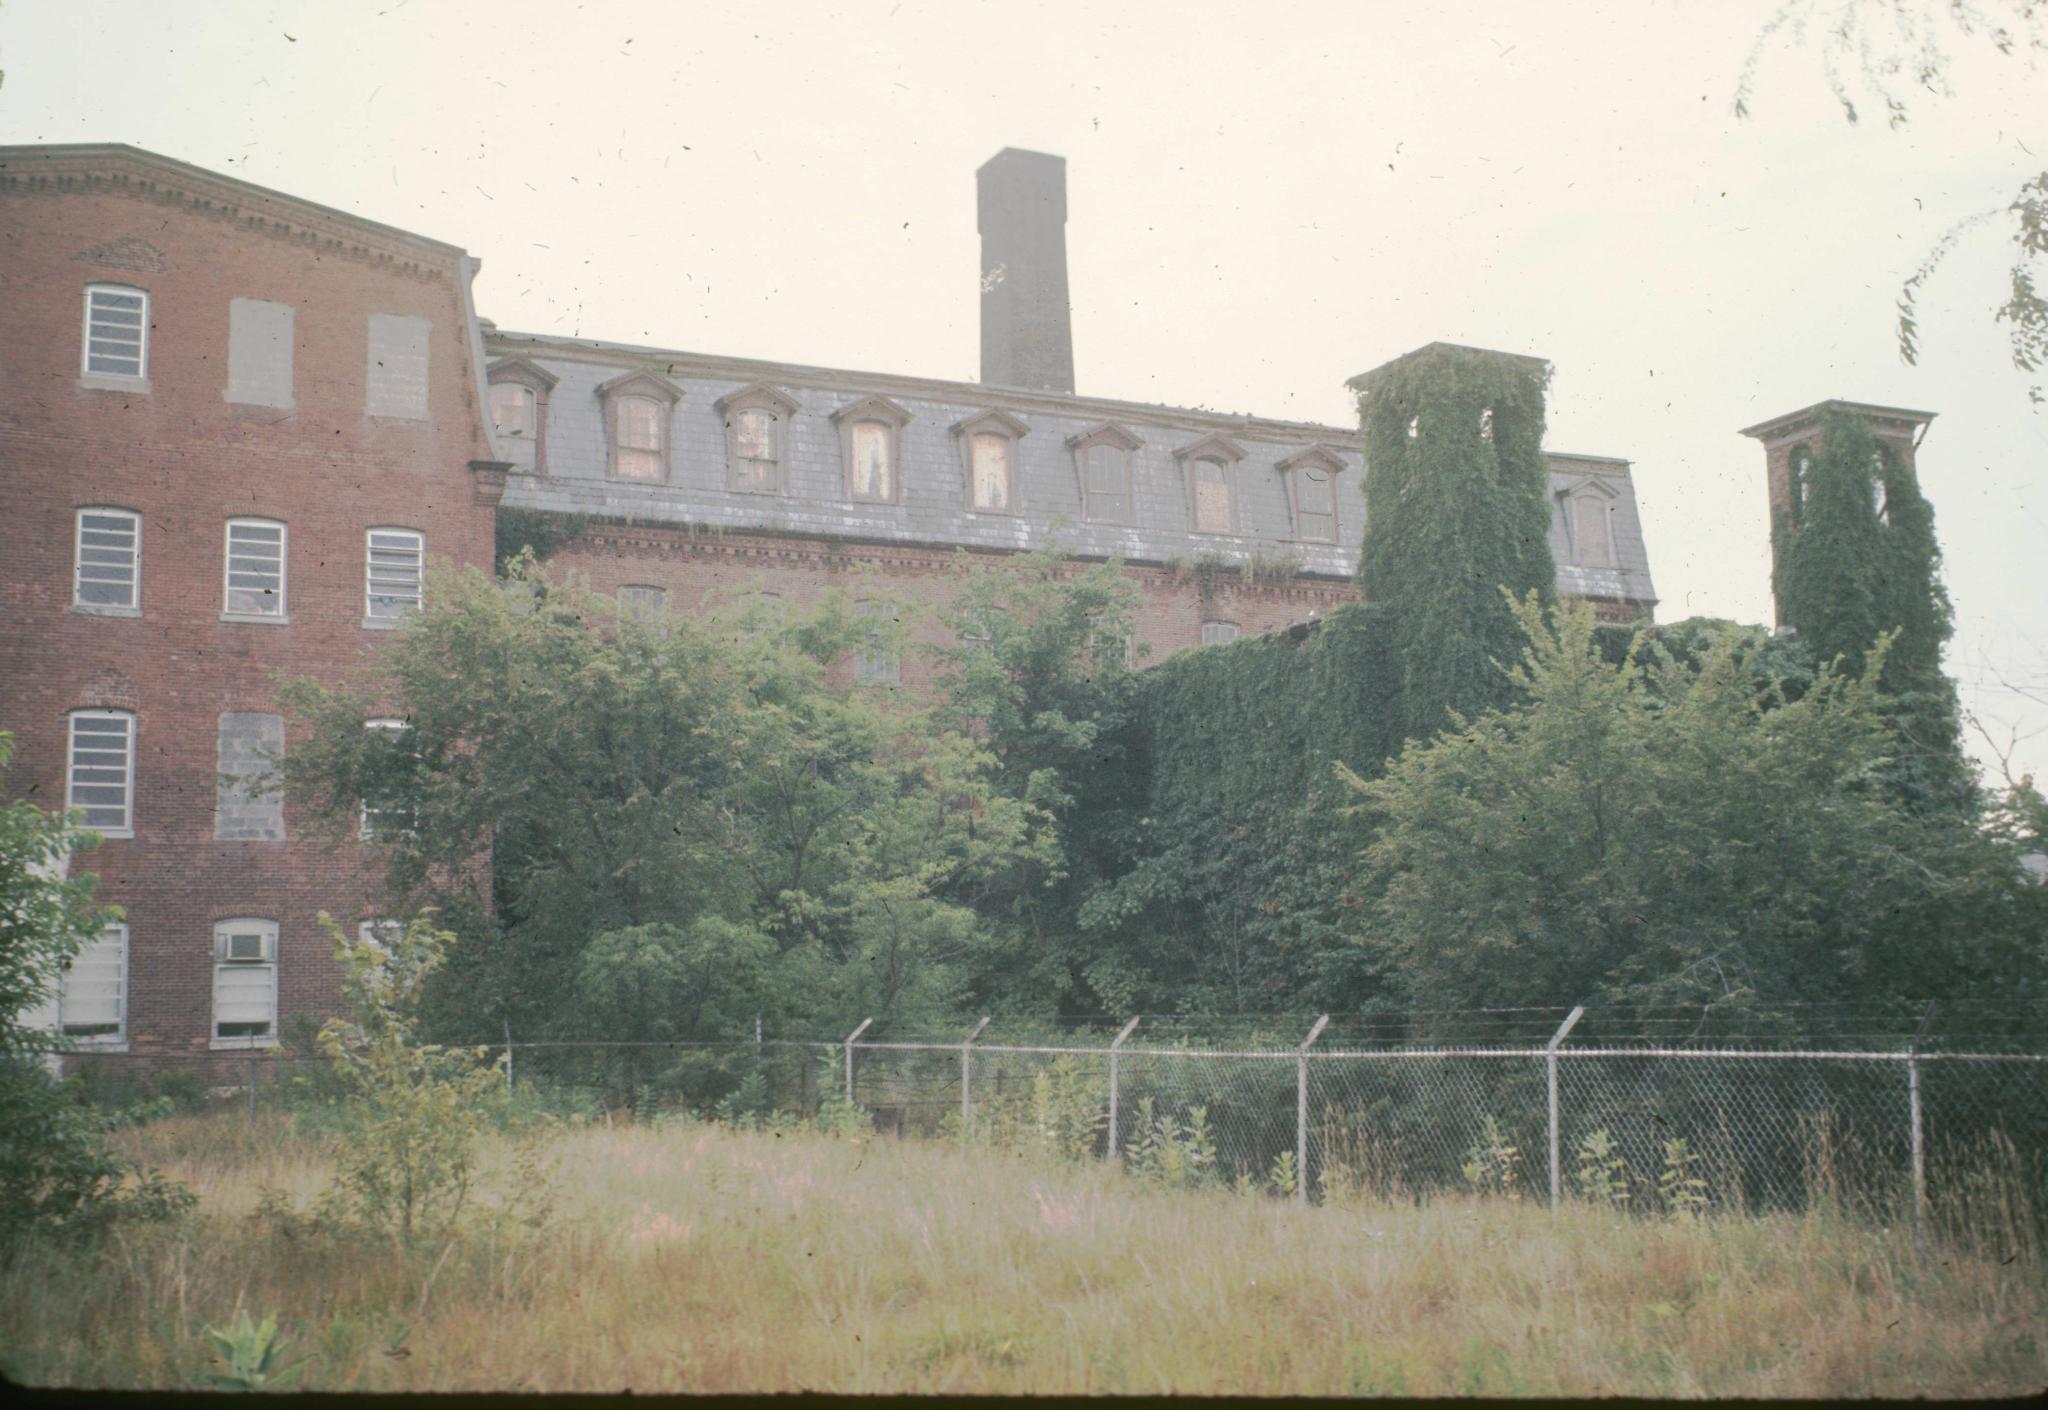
(130, 172)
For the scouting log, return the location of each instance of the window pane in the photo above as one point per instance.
(1106, 484)
(1217, 633)
(255, 582)
(108, 559)
(90, 999)
(639, 424)
(755, 431)
(392, 583)
(116, 332)
(102, 755)
(639, 464)
(991, 457)
(871, 461)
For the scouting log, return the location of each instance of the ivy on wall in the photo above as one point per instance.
(1456, 510)
(1857, 558)
(544, 531)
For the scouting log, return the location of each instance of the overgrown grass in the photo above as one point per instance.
(694, 1258)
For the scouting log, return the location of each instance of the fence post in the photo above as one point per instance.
(252, 1087)
(508, 1057)
(1550, 1065)
(849, 1057)
(1919, 1139)
(1113, 1047)
(1301, 1111)
(966, 1058)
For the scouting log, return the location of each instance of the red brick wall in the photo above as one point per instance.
(702, 570)
(186, 460)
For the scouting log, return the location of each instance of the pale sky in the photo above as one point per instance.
(1263, 200)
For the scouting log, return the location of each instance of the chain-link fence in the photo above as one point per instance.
(1399, 1107)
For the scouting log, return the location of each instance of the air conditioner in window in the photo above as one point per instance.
(245, 947)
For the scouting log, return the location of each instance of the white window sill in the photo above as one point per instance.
(1003, 513)
(94, 1045)
(230, 1045)
(256, 619)
(101, 609)
(402, 418)
(108, 382)
(380, 624)
(757, 490)
(258, 403)
(113, 834)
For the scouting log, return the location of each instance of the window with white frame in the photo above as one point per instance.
(877, 662)
(637, 427)
(384, 819)
(101, 777)
(394, 573)
(255, 569)
(245, 983)
(1218, 633)
(381, 935)
(92, 990)
(519, 411)
(107, 574)
(116, 332)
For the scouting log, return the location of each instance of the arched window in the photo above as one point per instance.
(519, 411)
(989, 445)
(1211, 469)
(1103, 458)
(757, 422)
(638, 409)
(254, 571)
(116, 333)
(1312, 491)
(871, 432)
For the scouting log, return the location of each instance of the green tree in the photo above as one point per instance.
(1886, 50)
(636, 780)
(1654, 831)
(1456, 510)
(56, 1169)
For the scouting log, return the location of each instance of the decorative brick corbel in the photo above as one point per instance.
(487, 481)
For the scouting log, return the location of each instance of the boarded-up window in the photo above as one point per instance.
(512, 409)
(1212, 497)
(260, 352)
(1590, 533)
(990, 453)
(247, 808)
(637, 422)
(1316, 501)
(1218, 633)
(643, 604)
(398, 367)
(872, 477)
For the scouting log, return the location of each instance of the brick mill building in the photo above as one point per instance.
(236, 427)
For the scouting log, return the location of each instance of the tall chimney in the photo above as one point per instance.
(1027, 332)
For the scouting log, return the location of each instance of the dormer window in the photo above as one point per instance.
(519, 405)
(1211, 467)
(870, 435)
(1589, 523)
(1312, 493)
(637, 416)
(757, 421)
(988, 445)
(1103, 459)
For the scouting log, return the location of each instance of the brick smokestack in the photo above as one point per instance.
(1027, 331)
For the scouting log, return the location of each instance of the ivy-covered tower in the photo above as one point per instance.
(1853, 556)
(1455, 511)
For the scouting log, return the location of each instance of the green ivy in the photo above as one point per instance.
(542, 530)
(1456, 510)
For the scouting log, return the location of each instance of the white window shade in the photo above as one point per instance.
(93, 997)
(394, 573)
(245, 983)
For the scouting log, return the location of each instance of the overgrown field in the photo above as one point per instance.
(692, 1257)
